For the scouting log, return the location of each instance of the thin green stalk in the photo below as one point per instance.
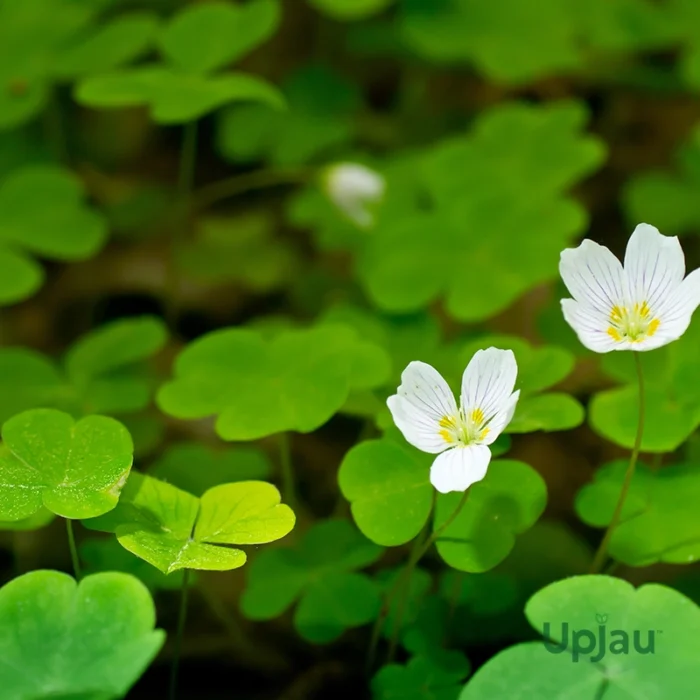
(73, 549)
(600, 555)
(181, 618)
(412, 563)
(240, 184)
(288, 486)
(188, 159)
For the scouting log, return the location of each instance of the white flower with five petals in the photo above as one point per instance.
(425, 411)
(641, 306)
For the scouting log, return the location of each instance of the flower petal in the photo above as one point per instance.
(422, 400)
(593, 276)
(488, 381)
(499, 422)
(654, 266)
(458, 468)
(591, 326)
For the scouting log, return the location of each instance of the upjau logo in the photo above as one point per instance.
(599, 642)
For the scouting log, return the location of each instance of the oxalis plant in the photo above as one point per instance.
(350, 470)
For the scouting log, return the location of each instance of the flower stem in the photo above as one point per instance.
(240, 184)
(600, 555)
(73, 549)
(188, 158)
(417, 556)
(182, 616)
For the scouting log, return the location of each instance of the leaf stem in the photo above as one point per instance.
(600, 555)
(240, 184)
(417, 556)
(182, 616)
(73, 549)
(188, 159)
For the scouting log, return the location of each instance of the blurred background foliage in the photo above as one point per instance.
(160, 163)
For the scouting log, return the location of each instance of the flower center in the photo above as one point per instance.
(634, 323)
(464, 429)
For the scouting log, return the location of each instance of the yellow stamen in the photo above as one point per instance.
(484, 433)
(446, 436)
(614, 334)
(653, 327)
(477, 416)
(447, 422)
(634, 324)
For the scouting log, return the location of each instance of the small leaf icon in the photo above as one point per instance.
(601, 619)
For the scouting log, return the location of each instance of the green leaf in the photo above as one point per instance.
(35, 521)
(388, 486)
(349, 10)
(194, 467)
(258, 387)
(530, 671)
(508, 501)
(547, 412)
(518, 213)
(421, 678)
(111, 45)
(114, 346)
(319, 572)
(513, 43)
(28, 380)
(88, 640)
(321, 117)
(172, 97)
(658, 522)
(172, 529)
(74, 469)
(671, 396)
(27, 228)
(667, 197)
(210, 35)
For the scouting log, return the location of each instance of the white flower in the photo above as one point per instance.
(356, 190)
(642, 306)
(425, 411)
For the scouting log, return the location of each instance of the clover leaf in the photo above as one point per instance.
(389, 490)
(388, 486)
(320, 572)
(635, 620)
(538, 369)
(514, 44)
(668, 197)
(102, 372)
(55, 41)
(74, 469)
(60, 638)
(196, 42)
(671, 397)
(172, 529)
(508, 501)
(518, 213)
(422, 678)
(257, 386)
(213, 466)
(27, 229)
(659, 516)
(320, 118)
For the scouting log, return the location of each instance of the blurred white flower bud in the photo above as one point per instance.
(356, 190)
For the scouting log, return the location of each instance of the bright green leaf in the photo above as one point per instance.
(388, 486)
(207, 36)
(350, 9)
(172, 529)
(508, 501)
(659, 516)
(74, 469)
(60, 639)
